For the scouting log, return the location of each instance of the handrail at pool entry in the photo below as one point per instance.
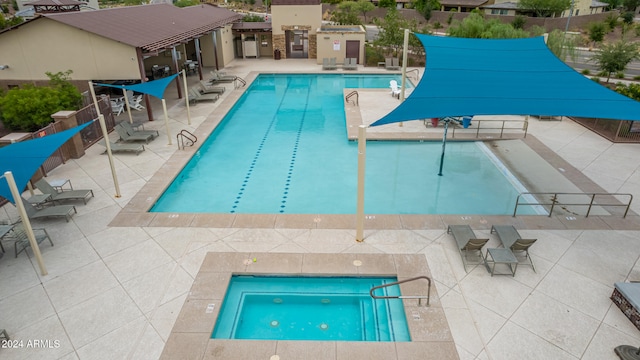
(350, 95)
(240, 80)
(554, 201)
(184, 134)
(419, 297)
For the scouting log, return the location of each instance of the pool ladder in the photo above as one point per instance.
(185, 138)
(419, 297)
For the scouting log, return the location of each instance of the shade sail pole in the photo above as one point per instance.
(362, 158)
(126, 101)
(25, 221)
(166, 120)
(107, 143)
(444, 143)
(404, 64)
(186, 93)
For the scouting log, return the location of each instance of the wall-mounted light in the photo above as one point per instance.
(3, 67)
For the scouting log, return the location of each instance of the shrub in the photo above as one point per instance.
(596, 79)
(518, 22)
(586, 72)
(620, 75)
(636, 78)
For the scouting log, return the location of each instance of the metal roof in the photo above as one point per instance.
(150, 27)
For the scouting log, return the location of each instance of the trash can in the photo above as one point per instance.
(276, 54)
(466, 121)
(434, 122)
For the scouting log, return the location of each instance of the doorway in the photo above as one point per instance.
(297, 44)
(353, 49)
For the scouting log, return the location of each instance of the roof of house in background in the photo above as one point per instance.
(150, 27)
(252, 26)
(56, 2)
(463, 3)
(504, 5)
(295, 2)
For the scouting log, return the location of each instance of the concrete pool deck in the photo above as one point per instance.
(115, 292)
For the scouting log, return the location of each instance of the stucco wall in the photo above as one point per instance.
(326, 42)
(293, 15)
(45, 45)
(225, 42)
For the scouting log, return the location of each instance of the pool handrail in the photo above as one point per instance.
(554, 201)
(419, 297)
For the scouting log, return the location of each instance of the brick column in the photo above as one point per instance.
(74, 146)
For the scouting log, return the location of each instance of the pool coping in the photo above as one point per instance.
(136, 212)
(191, 333)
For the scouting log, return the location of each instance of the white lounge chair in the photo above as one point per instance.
(395, 90)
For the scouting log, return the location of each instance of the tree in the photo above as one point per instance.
(544, 8)
(391, 35)
(389, 4)
(185, 3)
(346, 14)
(613, 4)
(597, 30)
(425, 7)
(518, 22)
(29, 108)
(476, 26)
(613, 58)
(630, 5)
(561, 45)
(364, 6)
(12, 21)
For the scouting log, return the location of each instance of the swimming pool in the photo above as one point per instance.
(310, 308)
(283, 149)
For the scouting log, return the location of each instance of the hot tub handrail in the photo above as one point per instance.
(419, 297)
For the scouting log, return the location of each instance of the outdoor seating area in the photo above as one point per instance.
(392, 64)
(55, 195)
(468, 244)
(511, 240)
(329, 64)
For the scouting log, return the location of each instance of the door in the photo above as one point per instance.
(353, 49)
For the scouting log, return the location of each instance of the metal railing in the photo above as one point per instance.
(413, 74)
(485, 126)
(185, 135)
(350, 95)
(240, 80)
(554, 201)
(419, 297)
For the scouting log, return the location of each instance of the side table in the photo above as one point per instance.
(500, 256)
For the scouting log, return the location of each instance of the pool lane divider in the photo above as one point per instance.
(256, 157)
(294, 154)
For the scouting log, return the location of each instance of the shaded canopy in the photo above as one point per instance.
(154, 88)
(466, 77)
(24, 158)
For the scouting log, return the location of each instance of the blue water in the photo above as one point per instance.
(310, 308)
(283, 149)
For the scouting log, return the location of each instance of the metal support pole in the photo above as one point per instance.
(8, 175)
(404, 64)
(107, 144)
(166, 119)
(444, 144)
(362, 158)
(186, 96)
(126, 101)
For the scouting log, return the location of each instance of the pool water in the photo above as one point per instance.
(311, 308)
(283, 149)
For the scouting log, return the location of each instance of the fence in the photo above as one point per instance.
(617, 131)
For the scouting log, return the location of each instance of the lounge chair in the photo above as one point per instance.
(122, 147)
(131, 137)
(207, 88)
(46, 188)
(350, 64)
(195, 96)
(130, 130)
(329, 64)
(219, 77)
(19, 235)
(511, 239)
(395, 90)
(467, 243)
(50, 211)
(117, 107)
(391, 64)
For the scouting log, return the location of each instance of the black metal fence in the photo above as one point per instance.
(617, 131)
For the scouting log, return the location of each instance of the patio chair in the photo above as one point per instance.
(350, 64)
(511, 239)
(117, 107)
(131, 137)
(123, 147)
(195, 96)
(219, 77)
(19, 235)
(135, 102)
(329, 64)
(467, 244)
(130, 130)
(395, 89)
(46, 188)
(206, 88)
(391, 64)
(50, 211)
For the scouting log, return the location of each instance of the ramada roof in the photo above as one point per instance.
(150, 27)
(56, 2)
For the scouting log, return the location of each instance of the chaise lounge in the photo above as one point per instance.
(133, 136)
(511, 239)
(467, 244)
(65, 211)
(19, 234)
(123, 147)
(46, 188)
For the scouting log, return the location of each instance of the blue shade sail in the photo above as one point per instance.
(154, 88)
(24, 158)
(465, 77)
